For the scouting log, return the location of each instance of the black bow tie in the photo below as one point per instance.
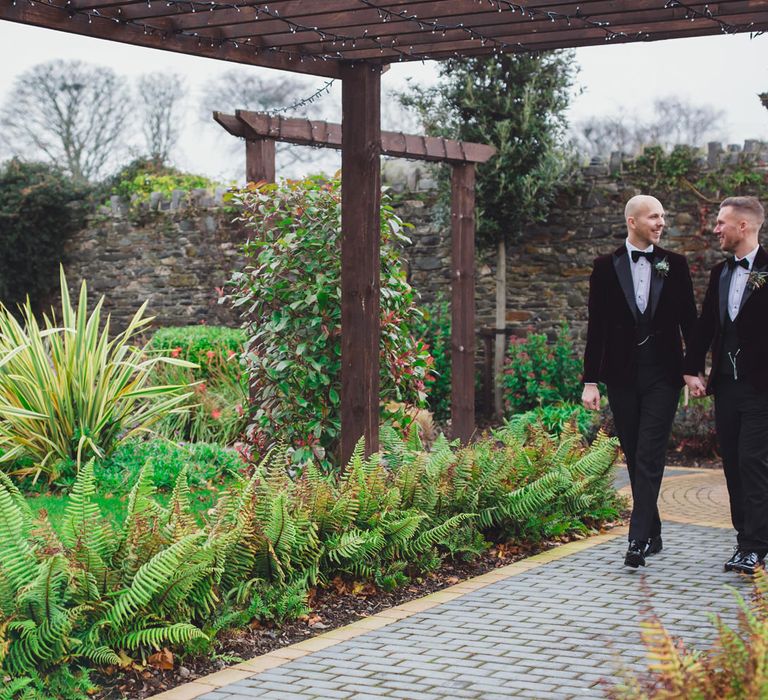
(637, 254)
(732, 263)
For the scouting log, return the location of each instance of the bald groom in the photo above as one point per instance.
(641, 307)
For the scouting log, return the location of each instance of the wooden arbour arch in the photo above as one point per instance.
(261, 132)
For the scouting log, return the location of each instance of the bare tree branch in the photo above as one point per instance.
(674, 122)
(160, 96)
(71, 113)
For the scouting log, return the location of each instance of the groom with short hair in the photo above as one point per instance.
(734, 324)
(640, 306)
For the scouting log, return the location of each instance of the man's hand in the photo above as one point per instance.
(695, 384)
(590, 397)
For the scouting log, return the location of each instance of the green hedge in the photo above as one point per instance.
(40, 208)
(193, 343)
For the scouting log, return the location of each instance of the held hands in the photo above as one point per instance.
(695, 384)
(590, 397)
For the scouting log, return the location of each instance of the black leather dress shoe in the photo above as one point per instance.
(653, 546)
(635, 555)
(749, 563)
(736, 557)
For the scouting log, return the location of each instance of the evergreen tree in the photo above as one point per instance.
(517, 103)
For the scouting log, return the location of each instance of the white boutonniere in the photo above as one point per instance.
(661, 267)
(756, 279)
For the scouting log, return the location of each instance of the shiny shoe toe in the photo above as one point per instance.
(635, 555)
(736, 558)
(749, 563)
(653, 546)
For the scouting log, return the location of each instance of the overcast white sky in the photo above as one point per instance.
(725, 72)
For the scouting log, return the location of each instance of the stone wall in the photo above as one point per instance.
(174, 252)
(177, 252)
(548, 269)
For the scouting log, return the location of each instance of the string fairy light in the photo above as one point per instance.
(436, 26)
(149, 30)
(693, 14)
(336, 47)
(324, 90)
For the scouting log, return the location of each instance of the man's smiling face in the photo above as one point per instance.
(729, 229)
(647, 224)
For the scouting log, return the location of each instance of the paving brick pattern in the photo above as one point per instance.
(555, 631)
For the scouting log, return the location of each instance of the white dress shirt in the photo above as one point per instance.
(641, 276)
(739, 279)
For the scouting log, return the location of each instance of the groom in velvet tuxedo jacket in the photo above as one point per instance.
(641, 307)
(734, 324)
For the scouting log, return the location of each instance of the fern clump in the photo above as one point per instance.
(101, 594)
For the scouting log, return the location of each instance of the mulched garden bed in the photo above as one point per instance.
(332, 607)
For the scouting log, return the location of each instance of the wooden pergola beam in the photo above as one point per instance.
(478, 16)
(410, 45)
(312, 37)
(337, 16)
(307, 132)
(63, 19)
(489, 24)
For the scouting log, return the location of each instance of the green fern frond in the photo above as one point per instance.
(150, 579)
(392, 447)
(17, 496)
(101, 655)
(345, 545)
(434, 536)
(18, 564)
(156, 637)
(279, 527)
(398, 531)
(414, 443)
(12, 687)
(181, 521)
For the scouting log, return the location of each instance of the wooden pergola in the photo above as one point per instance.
(355, 40)
(261, 132)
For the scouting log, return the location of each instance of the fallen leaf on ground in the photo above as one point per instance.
(162, 660)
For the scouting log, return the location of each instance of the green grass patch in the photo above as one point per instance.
(210, 470)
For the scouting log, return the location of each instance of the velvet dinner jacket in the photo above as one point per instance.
(751, 326)
(611, 352)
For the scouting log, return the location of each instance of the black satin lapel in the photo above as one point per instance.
(657, 284)
(725, 283)
(621, 265)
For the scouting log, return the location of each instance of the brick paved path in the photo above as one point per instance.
(551, 626)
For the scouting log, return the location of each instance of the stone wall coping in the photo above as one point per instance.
(714, 155)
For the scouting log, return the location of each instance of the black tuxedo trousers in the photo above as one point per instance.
(741, 420)
(741, 405)
(643, 415)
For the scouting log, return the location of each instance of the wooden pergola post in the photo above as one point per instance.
(360, 257)
(259, 160)
(463, 300)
